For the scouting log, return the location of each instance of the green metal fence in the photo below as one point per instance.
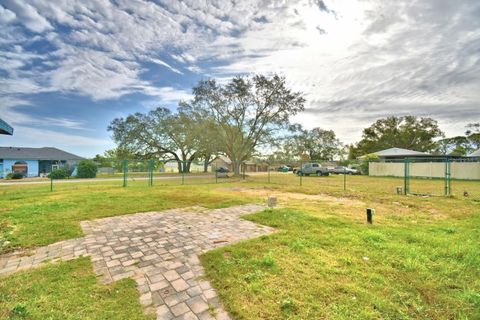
(152, 172)
(442, 176)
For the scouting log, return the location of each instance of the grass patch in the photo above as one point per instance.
(68, 290)
(419, 260)
(323, 267)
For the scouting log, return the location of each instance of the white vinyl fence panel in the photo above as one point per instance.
(458, 170)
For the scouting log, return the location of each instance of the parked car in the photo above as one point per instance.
(342, 170)
(312, 168)
(222, 172)
(284, 169)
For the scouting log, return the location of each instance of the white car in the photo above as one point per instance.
(346, 170)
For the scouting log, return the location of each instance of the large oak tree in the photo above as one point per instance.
(159, 134)
(247, 112)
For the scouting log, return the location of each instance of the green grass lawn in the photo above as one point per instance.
(67, 290)
(420, 259)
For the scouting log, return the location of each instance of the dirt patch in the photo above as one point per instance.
(282, 196)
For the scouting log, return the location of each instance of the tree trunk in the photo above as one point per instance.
(180, 167)
(236, 167)
(206, 162)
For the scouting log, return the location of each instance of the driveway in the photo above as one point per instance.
(159, 250)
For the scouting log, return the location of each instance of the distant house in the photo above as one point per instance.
(222, 161)
(5, 128)
(34, 162)
(250, 166)
(398, 154)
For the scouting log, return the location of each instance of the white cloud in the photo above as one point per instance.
(6, 15)
(354, 60)
(28, 16)
(63, 123)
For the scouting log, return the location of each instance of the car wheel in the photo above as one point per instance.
(319, 173)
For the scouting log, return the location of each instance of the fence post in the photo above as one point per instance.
(125, 172)
(406, 173)
(344, 179)
(51, 182)
(183, 173)
(301, 175)
(447, 177)
(150, 173)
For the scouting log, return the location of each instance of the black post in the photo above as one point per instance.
(370, 213)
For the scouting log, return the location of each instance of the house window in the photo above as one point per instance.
(55, 167)
(20, 167)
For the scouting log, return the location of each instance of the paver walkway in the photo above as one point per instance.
(159, 250)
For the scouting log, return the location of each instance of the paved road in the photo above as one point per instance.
(102, 179)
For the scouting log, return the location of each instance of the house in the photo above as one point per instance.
(250, 166)
(398, 154)
(5, 128)
(34, 162)
(222, 161)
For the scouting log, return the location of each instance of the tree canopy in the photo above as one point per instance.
(247, 112)
(461, 145)
(408, 132)
(158, 134)
(304, 144)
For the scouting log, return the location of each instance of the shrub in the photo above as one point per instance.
(87, 169)
(61, 173)
(371, 157)
(14, 175)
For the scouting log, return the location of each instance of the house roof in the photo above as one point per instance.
(475, 154)
(5, 128)
(45, 153)
(224, 159)
(399, 152)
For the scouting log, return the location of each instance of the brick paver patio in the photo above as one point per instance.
(159, 250)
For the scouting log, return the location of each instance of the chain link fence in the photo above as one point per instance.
(152, 172)
(311, 174)
(433, 176)
(430, 176)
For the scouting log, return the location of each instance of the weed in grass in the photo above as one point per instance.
(288, 306)
(19, 311)
(212, 310)
(268, 261)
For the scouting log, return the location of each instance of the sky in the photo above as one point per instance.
(69, 67)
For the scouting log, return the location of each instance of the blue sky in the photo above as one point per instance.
(67, 68)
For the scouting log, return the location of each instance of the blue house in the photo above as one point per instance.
(35, 162)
